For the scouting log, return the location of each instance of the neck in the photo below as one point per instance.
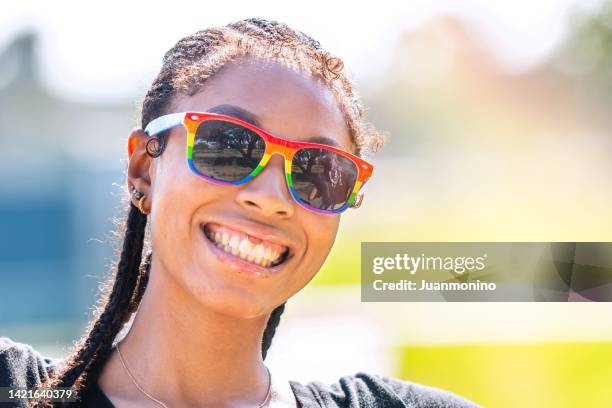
(186, 355)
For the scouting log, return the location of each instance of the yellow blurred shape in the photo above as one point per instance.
(516, 375)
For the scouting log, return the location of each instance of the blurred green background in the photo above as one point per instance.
(483, 146)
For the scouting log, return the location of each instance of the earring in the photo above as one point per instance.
(141, 198)
(140, 203)
(154, 147)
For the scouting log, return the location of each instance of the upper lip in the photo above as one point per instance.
(257, 230)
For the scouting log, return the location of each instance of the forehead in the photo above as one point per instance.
(283, 101)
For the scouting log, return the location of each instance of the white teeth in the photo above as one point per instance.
(268, 254)
(258, 251)
(240, 245)
(245, 245)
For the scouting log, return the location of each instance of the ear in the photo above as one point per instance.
(139, 164)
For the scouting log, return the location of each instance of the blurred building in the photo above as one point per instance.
(59, 161)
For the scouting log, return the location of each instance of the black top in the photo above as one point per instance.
(22, 366)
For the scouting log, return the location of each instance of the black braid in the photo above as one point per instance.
(273, 322)
(115, 311)
(143, 280)
(92, 349)
(93, 371)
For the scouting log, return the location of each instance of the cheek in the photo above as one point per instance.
(177, 192)
(177, 196)
(321, 231)
(171, 184)
(325, 232)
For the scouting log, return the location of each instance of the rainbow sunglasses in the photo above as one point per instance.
(226, 150)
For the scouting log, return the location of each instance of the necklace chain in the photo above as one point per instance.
(265, 401)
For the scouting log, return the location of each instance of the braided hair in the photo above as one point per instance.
(185, 69)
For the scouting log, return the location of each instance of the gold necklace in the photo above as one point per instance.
(265, 401)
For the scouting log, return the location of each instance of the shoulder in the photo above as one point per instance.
(21, 365)
(371, 390)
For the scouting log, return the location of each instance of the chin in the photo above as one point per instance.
(230, 297)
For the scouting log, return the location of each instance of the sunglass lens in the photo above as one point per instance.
(323, 179)
(226, 151)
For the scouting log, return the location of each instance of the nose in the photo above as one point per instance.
(267, 193)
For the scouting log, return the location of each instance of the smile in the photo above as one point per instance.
(249, 248)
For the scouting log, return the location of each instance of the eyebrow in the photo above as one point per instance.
(323, 140)
(243, 114)
(237, 112)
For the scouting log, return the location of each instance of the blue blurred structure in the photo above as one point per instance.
(60, 174)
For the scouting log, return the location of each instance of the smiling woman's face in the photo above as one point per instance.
(186, 209)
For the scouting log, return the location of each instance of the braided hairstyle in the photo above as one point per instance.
(185, 69)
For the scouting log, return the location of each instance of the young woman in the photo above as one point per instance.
(249, 151)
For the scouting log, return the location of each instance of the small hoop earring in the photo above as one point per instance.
(140, 205)
(154, 147)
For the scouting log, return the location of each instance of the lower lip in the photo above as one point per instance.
(238, 264)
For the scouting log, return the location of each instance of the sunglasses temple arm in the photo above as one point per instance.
(164, 123)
